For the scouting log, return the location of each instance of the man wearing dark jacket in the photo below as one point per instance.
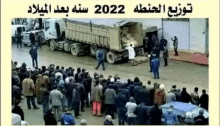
(32, 38)
(44, 98)
(69, 92)
(137, 93)
(185, 96)
(152, 92)
(120, 102)
(144, 96)
(200, 119)
(204, 100)
(178, 95)
(165, 54)
(33, 53)
(17, 110)
(110, 95)
(82, 92)
(155, 115)
(49, 118)
(77, 75)
(142, 113)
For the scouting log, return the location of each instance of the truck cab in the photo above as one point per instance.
(53, 29)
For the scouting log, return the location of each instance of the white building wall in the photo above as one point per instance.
(197, 35)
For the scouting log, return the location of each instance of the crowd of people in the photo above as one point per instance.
(67, 90)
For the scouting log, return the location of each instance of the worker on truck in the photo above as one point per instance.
(100, 56)
(131, 54)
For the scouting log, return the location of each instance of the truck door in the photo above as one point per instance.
(57, 26)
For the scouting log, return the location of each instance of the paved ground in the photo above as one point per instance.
(180, 73)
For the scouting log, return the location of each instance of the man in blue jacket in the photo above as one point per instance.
(100, 56)
(155, 66)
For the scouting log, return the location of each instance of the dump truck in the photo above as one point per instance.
(85, 38)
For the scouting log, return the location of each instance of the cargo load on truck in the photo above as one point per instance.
(86, 37)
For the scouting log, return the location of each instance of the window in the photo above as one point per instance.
(47, 25)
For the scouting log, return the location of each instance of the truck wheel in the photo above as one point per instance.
(93, 50)
(111, 57)
(74, 50)
(52, 45)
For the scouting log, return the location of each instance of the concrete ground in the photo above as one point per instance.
(179, 73)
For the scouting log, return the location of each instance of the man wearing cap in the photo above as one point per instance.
(155, 66)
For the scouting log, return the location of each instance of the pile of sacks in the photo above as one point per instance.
(127, 39)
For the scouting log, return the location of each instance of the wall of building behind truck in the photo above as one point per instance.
(181, 30)
(197, 34)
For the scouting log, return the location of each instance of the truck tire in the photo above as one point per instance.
(52, 45)
(93, 50)
(111, 57)
(74, 49)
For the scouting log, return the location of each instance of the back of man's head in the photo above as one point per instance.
(156, 105)
(149, 82)
(196, 89)
(57, 67)
(184, 89)
(203, 91)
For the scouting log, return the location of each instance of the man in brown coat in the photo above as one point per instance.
(39, 83)
(160, 96)
(46, 80)
(28, 91)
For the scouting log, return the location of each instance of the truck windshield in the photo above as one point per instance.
(47, 25)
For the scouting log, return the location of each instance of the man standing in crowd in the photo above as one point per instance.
(120, 102)
(185, 96)
(33, 53)
(32, 38)
(96, 98)
(155, 115)
(175, 45)
(170, 96)
(28, 91)
(110, 95)
(165, 54)
(101, 57)
(200, 119)
(155, 66)
(131, 107)
(76, 100)
(39, 39)
(19, 40)
(44, 98)
(204, 100)
(195, 96)
(142, 113)
(55, 99)
(131, 54)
